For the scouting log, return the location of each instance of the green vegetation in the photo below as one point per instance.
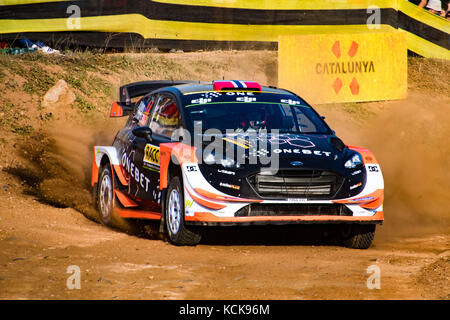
(14, 119)
(38, 81)
(22, 130)
(83, 105)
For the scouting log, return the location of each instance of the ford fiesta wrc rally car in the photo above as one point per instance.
(191, 156)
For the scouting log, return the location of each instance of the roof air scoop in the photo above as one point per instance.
(236, 85)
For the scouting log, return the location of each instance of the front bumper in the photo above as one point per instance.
(209, 219)
(205, 205)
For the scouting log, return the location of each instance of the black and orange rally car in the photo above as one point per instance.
(196, 154)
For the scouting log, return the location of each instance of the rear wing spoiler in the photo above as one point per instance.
(137, 89)
(129, 91)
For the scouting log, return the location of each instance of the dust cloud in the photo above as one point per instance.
(411, 140)
(58, 163)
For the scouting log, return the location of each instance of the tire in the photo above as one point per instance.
(105, 197)
(359, 236)
(178, 233)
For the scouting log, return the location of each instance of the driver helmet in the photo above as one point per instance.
(257, 118)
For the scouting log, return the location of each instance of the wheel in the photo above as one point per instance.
(358, 236)
(105, 196)
(178, 233)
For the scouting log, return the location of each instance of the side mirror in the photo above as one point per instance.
(143, 132)
(118, 109)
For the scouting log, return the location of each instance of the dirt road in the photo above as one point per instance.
(39, 242)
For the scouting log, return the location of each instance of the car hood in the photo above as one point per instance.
(291, 150)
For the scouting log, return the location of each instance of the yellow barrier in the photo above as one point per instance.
(327, 68)
(213, 23)
(287, 4)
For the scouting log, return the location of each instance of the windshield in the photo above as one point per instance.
(251, 112)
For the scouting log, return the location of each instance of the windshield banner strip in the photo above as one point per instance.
(253, 102)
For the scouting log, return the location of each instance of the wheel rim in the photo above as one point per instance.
(174, 211)
(105, 196)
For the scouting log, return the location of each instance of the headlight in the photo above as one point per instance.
(228, 163)
(354, 161)
(210, 158)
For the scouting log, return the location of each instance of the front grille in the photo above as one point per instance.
(263, 209)
(311, 184)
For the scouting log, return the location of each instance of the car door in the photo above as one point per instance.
(164, 119)
(139, 180)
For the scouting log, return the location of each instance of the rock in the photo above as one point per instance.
(59, 95)
(104, 280)
(18, 259)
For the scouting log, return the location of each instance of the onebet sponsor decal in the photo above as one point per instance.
(134, 172)
(303, 151)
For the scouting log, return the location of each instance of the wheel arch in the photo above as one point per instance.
(172, 157)
(104, 155)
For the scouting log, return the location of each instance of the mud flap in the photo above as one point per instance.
(162, 228)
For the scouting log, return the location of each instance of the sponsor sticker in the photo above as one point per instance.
(363, 199)
(359, 184)
(191, 169)
(239, 142)
(189, 203)
(303, 151)
(129, 166)
(151, 156)
(297, 200)
(228, 185)
(290, 101)
(226, 172)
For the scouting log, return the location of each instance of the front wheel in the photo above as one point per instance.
(359, 236)
(174, 216)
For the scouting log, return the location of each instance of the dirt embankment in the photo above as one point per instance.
(46, 156)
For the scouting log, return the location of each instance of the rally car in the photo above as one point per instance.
(198, 154)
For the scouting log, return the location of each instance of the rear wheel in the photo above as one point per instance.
(105, 196)
(178, 233)
(358, 236)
